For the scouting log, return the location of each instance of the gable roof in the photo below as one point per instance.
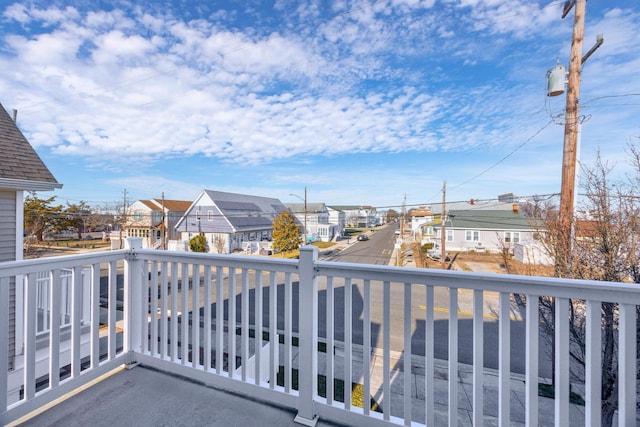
(246, 212)
(169, 205)
(311, 207)
(351, 207)
(241, 211)
(174, 205)
(20, 166)
(472, 205)
(486, 219)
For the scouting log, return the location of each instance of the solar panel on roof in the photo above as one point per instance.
(237, 206)
(251, 221)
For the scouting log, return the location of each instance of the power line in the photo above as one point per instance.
(505, 157)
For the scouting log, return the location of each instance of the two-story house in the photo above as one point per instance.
(338, 217)
(154, 221)
(21, 170)
(422, 222)
(229, 221)
(358, 216)
(315, 216)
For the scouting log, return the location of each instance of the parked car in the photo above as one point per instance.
(363, 237)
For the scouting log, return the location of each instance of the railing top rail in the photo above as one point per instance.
(532, 285)
(223, 260)
(12, 268)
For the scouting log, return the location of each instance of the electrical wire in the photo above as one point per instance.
(505, 157)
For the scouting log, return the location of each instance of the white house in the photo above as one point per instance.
(154, 221)
(358, 216)
(230, 222)
(422, 222)
(317, 220)
(336, 216)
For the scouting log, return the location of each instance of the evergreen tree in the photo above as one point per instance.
(40, 216)
(286, 233)
(198, 243)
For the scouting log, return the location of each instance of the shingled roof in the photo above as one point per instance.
(20, 166)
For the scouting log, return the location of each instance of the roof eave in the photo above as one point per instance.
(27, 185)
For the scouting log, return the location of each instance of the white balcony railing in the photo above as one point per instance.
(239, 322)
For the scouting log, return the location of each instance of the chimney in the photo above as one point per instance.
(15, 115)
(515, 208)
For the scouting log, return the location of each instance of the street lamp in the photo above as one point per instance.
(305, 211)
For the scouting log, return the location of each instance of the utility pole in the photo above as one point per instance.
(304, 239)
(571, 132)
(443, 234)
(569, 157)
(404, 204)
(163, 233)
(123, 221)
(305, 215)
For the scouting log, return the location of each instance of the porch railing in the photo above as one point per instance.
(301, 333)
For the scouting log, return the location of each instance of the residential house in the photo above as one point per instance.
(21, 170)
(315, 216)
(381, 217)
(337, 216)
(154, 221)
(230, 222)
(422, 222)
(484, 230)
(358, 216)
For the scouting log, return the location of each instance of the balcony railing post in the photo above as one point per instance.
(4, 344)
(307, 336)
(133, 304)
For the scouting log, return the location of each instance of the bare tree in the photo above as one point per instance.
(220, 244)
(604, 246)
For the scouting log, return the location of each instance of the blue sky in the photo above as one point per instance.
(362, 102)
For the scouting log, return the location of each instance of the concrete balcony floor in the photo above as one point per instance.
(144, 397)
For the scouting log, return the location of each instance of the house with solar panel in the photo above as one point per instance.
(231, 222)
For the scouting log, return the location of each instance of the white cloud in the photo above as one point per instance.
(401, 76)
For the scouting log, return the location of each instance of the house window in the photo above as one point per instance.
(137, 216)
(449, 235)
(210, 215)
(472, 236)
(511, 237)
(198, 215)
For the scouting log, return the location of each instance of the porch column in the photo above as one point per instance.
(307, 336)
(133, 304)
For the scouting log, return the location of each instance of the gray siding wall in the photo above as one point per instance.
(217, 224)
(7, 226)
(8, 253)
